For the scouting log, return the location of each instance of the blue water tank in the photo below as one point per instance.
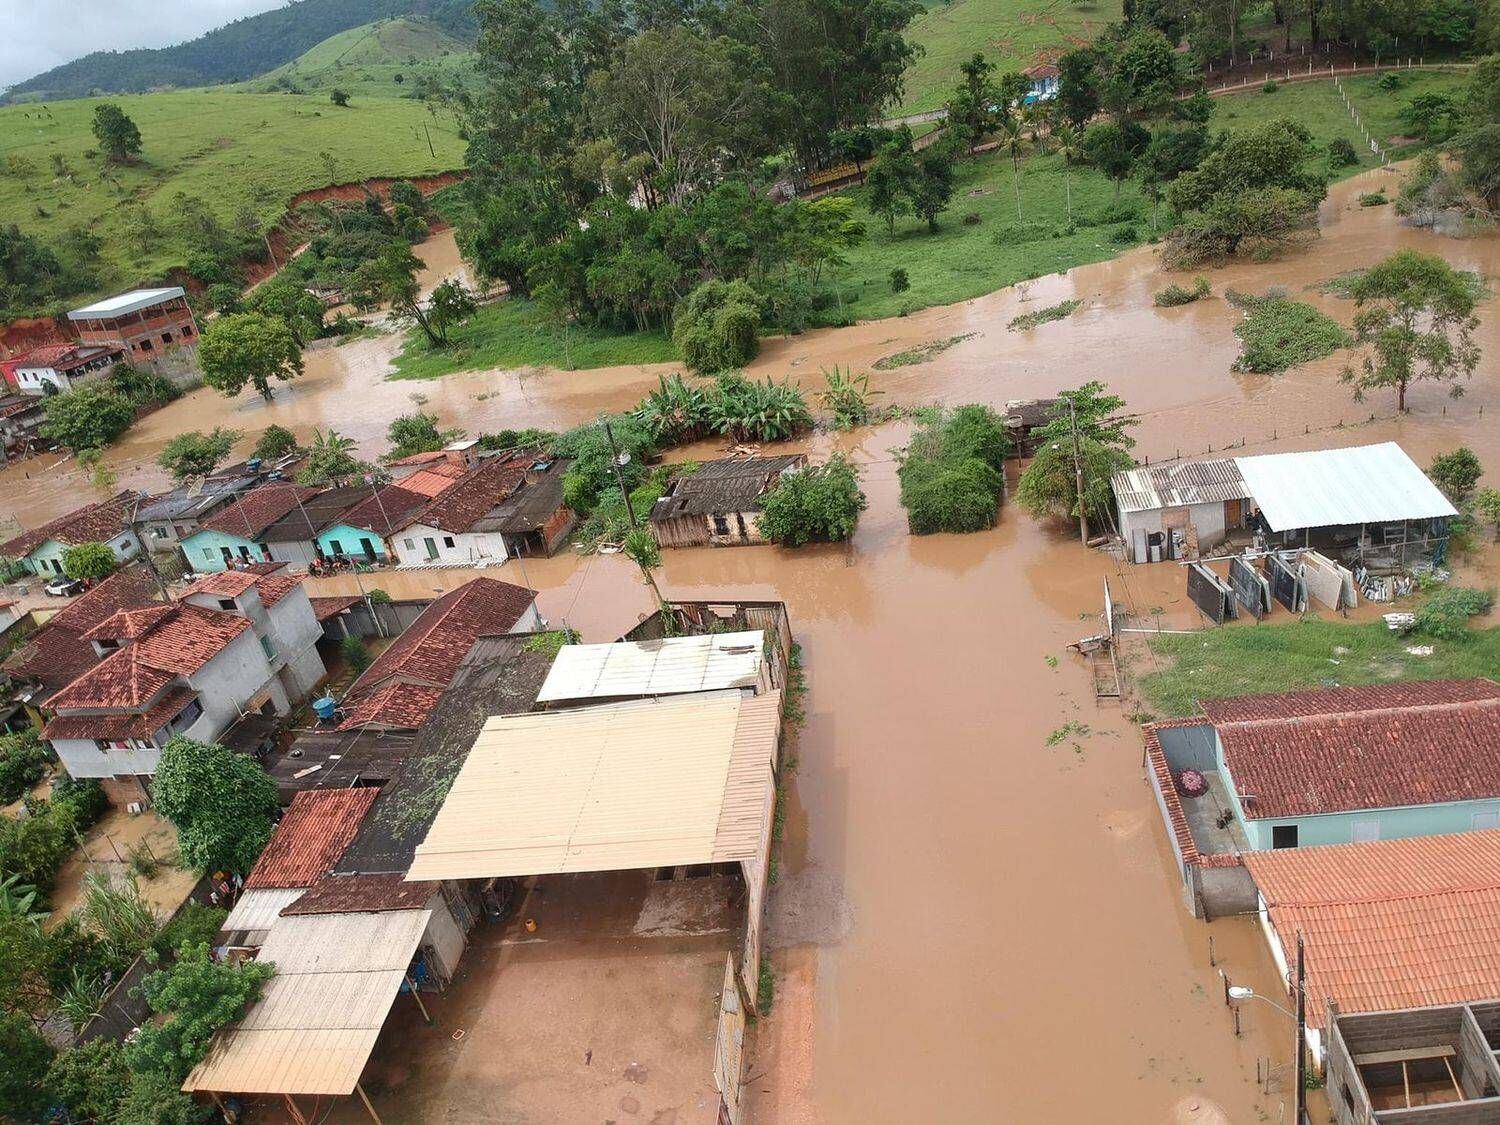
(324, 708)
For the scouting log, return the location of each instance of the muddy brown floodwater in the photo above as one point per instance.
(970, 923)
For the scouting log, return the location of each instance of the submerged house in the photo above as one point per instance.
(718, 503)
(1327, 766)
(236, 534)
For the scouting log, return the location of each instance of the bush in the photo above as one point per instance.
(716, 326)
(1390, 82)
(274, 443)
(24, 1059)
(900, 283)
(1278, 333)
(592, 470)
(1446, 613)
(1027, 321)
(90, 1080)
(220, 802)
(1269, 86)
(355, 653)
(34, 848)
(820, 504)
(1341, 153)
(195, 924)
(1373, 199)
(952, 473)
(89, 561)
(849, 398)
(972, 219)
(1456, 473)
(143, 386)
(1174, 295)
(749, 411)
(84, 799)
(23, 762)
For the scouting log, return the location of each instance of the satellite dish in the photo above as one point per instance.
(622, 459)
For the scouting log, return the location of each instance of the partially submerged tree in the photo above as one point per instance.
(274, 442)
(331, 460)
(88, 417)
(417, 433)
(282, 297)
(1416, 313)
(196, 454)
(1456, 473)
(819, 504)
(248, 349)
(952, 472)
(1049, 486)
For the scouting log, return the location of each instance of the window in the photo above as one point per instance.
(166, 337)
(227, 553)
(337, 547)
(187, 329)
(721, 525)
(1283, 836)
(158, 533)
(208, 553)
(146, 345)
(447, 541)
(227, 604)
(267, 647)
(188, 717)
(410, 546)
(182, 532)
(245, 553)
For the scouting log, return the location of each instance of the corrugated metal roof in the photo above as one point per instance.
(650, 783)
(1338, 487)
(1177, 485)
(258, 910)
(666, 667)
(314, 1027)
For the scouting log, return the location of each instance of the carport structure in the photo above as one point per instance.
(313, 1029)
(678, 781)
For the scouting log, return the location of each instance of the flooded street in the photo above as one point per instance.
(970, 924)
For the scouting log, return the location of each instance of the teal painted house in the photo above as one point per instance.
(362, 531)
(1351, 765)
(41, 549)
(235, 534)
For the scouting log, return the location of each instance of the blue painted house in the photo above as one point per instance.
(41, 549)
(363, 530)
(1044, 82)
(237, 534)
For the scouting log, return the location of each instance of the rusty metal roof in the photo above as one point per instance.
(1178, 485)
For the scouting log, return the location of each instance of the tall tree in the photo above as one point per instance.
(220, 802)
(1416, 312)
(975, 106)
(1112, 147)
(196, 454)
(116, 133)
(283, 297)
(248, 349)
(937, 173)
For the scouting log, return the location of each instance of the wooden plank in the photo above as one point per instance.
(1412, 1054)
(1457, 1089)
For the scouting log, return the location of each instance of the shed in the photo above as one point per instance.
(673, 666)
(1174, 510)
(1366, 484)
(718, 503)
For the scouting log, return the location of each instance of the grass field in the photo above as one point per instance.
(234, 150)
(1013, 33)
(1250, 659)
(387, 57)
(515, 334)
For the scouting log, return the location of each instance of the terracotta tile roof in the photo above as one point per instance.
(118, 681)
(57, 653)
(422, 458)
(391, 508)
(257, 510)
(303, 522)
(127, 624)
(324, 608)
(479, 492)
(394, 705)
(267, 578)
(123, 724)
(189, 640)
(430, 651)
(99, 522)
(62, 357)
(1390, 924)
(312, 835)
(1344, 700)
(436, 479)
(276, 587)
(350, 894)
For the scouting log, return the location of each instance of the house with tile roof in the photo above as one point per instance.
(294, 537)
(1386, 925)
(235, 644)
(718, 503)
(61, 367)
(1327, 766)
(236, 534)
(406, 681)
(362, 531)
(41, 549)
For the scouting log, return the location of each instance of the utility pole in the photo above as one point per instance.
(1083, 519)
(150, 562)
(614, 461)
(1301, 1102)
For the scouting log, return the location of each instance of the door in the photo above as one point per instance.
(431, 545)
(739, 518)
(1234, 513)
(368, 548)
(228, 556)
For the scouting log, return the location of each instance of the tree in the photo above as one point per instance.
(392, 278)
(448, 306)
(1173, 150)
(88, 417)
(248, 349)
(196, 454)
(952, 471)
(284, 298)
(89, 561)
(90, 1080)
(24, 1058)
(1078, 86)
(221, 803)
(274, 442)
(716, 326)
(1070, 149)
(1112, 148)
(416, 433)
(1456, 473)
(1478, 152)
(1271, 155)
(819, 504)
(932, 189)
(23, 762)
(331, 460)
(975, 106)
(1049, 486)
(1417, 314)
(1012, 142)
(101, 477)
(888, 186)
(116, 133)
(641, 548)
(339, 97)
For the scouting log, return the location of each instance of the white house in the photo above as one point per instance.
(238, 643)
(41, 549)
(60, 367)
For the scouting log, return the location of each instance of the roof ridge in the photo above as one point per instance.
(1403, 896)
(1376, 712)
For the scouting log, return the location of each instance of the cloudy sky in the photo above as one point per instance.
(36, 35)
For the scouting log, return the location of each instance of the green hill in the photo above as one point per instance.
(240, 153)
(387, 56)
(237, 51)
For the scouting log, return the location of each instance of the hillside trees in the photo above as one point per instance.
(117, 134)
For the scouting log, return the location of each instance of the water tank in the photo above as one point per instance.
(253, 464)
(325, 708)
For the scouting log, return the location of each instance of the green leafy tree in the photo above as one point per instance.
(221, 803)
(118, 137)
(331, 460)
(1456, 473)
(1416, 313)
(196, 454)
(1487, 507)
(1048, 487)
(154, 1098)
(449, 305)
(1478, 152)
(1271, 155)
(282, 297)
(819, 504)
(975, 106)
(89, 1080)
(248, 349)
(716, 326)
(1113, 147)
(339, 97)
(1078, 86)
(24, 1058)
(356, 654)
(417, 433)
(101, 477)
(891, 179)
(952, 472)
(23, 762)
(89, 561)
(275, 442)
(937, 173)
(392, 278)
(88, 417)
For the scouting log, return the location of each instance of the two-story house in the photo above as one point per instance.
(236, 644)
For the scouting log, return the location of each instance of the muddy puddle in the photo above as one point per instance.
(979, 916)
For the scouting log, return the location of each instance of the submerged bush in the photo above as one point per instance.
(1278, 333)
(952, 473)
(1174, 294)
(1446, 613)
(749, 411)
(820, 504)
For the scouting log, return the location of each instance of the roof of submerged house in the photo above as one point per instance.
(317, 512)
(475, 495)
(731, 484)
(388, 510)
(93, 523)
(250, 516)
(1346, 700)
(1179, 484)
(532, 504)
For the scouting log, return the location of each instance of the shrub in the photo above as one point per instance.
(355, 653)
(1390, 81)
(142, 385)
(952, 472)
(592, 470)
(377, 596)
(820, 504)
(1341, 153)
(90, 1080)
(275, 442)
(89, 561)
(1027, 321)
(849, 398)
(900, 283)
(1174, 295)
(24, 1058)
(83, 799)
(972, 219)
(1278, 333)
(1373, 199)
(1456, 473)
(34, 848)
(220, 802)
(195, 924)
(750, 411)
(23, 762)
(1269, 86)
(1446, 613)
(715, 326)
(675, 412)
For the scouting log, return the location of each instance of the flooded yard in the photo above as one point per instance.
(974, 882)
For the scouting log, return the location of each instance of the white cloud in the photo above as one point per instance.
(36, 35)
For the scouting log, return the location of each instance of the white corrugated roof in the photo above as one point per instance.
(651, 783)
(1337, 487)
(260, 909)
(666, 667)
(313, 1028)
(123, 303)
(1177, 485)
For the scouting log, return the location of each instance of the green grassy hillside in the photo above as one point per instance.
(387, 56)
(237, 152)
(1012, 33)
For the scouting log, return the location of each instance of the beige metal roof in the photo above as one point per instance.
(260, 909)
(1178, 485)
(666, 667)
(314, 1027)
(650, 783)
